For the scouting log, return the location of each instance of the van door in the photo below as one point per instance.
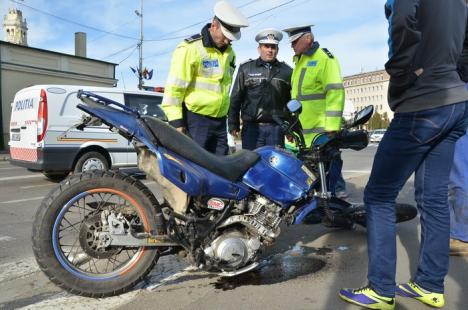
(115, 146)
(25, 126)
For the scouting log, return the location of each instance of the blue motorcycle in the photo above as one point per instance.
(99, 233)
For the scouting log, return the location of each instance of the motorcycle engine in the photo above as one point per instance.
(259, 221)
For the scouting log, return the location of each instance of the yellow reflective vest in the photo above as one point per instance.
(199, 77)
(316, 82)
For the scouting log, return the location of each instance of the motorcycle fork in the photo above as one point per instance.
(331, 218)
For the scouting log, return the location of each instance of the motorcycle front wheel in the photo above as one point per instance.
(404, 212)
(66, 233)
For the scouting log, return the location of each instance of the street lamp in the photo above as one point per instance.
(140, 48)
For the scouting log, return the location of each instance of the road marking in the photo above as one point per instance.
(19, 177)
(10, 168)
(6, 238)
(24, 200)
(16, 270)
(65, 300)
(168, 270)
(41, 185)
(357, 171)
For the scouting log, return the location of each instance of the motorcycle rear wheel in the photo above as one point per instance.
(65, 240)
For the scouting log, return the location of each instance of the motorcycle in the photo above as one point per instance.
(99, 233)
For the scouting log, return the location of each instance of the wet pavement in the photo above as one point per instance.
(278, 268)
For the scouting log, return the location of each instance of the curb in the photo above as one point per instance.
(4, 157)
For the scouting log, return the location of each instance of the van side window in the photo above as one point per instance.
(145, 105)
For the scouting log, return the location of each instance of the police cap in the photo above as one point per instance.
(230, 19)
(296, 32)
(269, 36)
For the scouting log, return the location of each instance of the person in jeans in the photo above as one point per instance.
(430, 104)
(458, 199)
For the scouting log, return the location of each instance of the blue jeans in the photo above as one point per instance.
(458, 191)
(255, 135)
(421, 142)
(336, 182)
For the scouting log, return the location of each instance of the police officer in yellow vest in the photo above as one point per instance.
(196, 96)
(316, 82)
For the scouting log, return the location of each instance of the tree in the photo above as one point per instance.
(378, 121)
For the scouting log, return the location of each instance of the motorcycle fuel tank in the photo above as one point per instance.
(279, 176)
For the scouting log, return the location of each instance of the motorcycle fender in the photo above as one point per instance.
(304, 211)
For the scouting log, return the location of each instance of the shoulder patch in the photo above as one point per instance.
(329, 54)
(193, 38)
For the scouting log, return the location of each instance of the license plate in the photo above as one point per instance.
(15, 137)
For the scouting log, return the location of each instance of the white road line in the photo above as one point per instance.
(15, 270)
(19, 177)
(64, 300)
(6, 238)
(11, 168)
(23, 200)
(167, 270)
(35, 186)
(357, 171)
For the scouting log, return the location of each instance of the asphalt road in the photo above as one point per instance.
(304, 269)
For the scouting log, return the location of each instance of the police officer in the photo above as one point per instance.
(196, 97)
(260, 93)
(316, 82)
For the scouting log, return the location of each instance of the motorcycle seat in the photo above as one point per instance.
(231, 167)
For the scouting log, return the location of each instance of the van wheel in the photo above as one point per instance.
(91, 161)
(55, 176)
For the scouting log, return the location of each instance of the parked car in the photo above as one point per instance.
(377, 135)
(41, 139)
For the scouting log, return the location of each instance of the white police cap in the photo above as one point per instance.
(269, 36)
(296, 32)
(231, 19)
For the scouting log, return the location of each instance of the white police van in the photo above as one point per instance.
(41, 139)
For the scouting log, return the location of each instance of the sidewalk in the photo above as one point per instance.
(4, 155)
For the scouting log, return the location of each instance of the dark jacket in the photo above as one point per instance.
(427, 34)
(260, 91)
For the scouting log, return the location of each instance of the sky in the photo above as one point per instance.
(354, 31)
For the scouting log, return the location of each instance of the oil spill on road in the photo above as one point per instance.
(278, 268)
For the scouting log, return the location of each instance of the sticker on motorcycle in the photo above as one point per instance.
(274, 160)
(308, 172)
(215, 204)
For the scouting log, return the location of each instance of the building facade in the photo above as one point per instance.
(369, 88)
(22, 66)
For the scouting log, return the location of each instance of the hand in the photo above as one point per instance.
(419, 71)
(285, 126)
(181, 129)
(234, 133)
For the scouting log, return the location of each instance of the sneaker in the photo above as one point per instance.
(458, 247)
(412, 290)
(366, 297)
